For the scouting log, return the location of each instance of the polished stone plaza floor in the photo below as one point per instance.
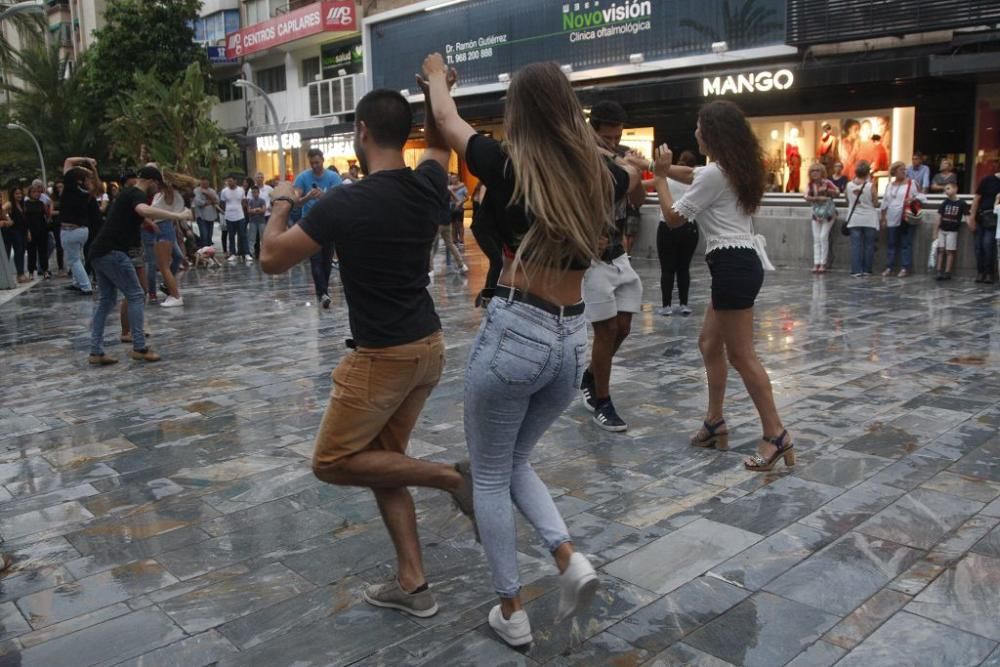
(167, 515)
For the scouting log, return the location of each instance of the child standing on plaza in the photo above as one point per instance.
(950, 215)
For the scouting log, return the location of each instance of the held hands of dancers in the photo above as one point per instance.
(663, 159)
(434, 65)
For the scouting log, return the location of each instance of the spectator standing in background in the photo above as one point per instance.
(232, 197)
(256, 217)
(944, 177)
(918, 172)
(899, 195)
(983, 221)
(950, 215)
(310, 186)
(821, 193)
(838, 177)
(206, 207)
(862, 220)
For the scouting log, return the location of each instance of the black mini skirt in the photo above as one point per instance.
(737, 276)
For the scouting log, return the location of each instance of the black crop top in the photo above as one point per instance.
(488, 161)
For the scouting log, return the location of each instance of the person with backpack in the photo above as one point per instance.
(983, 222)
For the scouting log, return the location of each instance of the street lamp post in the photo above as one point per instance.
(243, 83)
(38, 147)
(29, 7)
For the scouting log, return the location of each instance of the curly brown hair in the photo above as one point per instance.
(731, 142)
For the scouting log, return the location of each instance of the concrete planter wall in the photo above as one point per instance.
(789, 239)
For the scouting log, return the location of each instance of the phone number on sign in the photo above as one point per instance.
(469, 56)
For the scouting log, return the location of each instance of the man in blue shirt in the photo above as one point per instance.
(310, 186)
(919, 172)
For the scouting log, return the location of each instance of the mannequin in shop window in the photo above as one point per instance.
(826, 151)
(794, 160)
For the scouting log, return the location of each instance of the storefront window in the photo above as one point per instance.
(791, 144)
(338, 150)
(987, 133)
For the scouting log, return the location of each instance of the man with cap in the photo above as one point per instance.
(109, 255)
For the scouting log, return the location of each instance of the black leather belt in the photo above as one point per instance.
(514, 294)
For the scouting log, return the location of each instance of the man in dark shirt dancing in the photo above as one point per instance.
(383, 227)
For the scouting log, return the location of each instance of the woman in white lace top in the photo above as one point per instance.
(723, 196)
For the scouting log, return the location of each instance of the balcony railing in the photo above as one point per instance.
(330, 97)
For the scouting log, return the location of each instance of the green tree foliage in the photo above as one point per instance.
(170, 124)
(45, 101)
(29, 27)
(149, 36)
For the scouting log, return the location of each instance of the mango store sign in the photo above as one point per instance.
(750, 82)
(269, 143)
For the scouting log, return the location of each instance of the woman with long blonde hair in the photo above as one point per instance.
(531, 350)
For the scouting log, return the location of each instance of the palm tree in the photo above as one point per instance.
(172, 124)
(45, 99)
(741, 27)
(29, 28)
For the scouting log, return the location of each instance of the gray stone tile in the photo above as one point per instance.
(982, 462)
(197, 651)
(865, 619)
(771, 557)
(340, 639)
(820, 654)
(965, 486)
(846, 573)
(763, 630)
(45, 520)
(12, 623)
(843, 468)
(773, 507)
(479, 650)
(604, 649)
(278, 619)
(56, 630)
(691, 551)
(671, 617)
(682, 655)
(911, 471)
(115, 555)
(232, 598)
(965, 596)
(989, 545)
(91, 593)
(260, 539)
(910, 640)
(109, 642)
(847, 511)
(920, 518)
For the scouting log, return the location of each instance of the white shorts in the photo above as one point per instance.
(610, 288)
(947, 240)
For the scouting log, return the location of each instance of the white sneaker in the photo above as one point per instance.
(464, 269)
(249, 260)
(231, 259)
(171, 302)
(578, 584)
(685, 311)
(665, 311)
(516, 630)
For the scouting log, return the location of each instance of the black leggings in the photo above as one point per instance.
(676, 249)
(38, 250)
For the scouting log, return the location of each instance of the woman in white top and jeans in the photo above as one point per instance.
(862, 220)
(899, 195)
(723, 195)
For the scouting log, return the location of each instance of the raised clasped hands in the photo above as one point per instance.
(434, 65)
(663, 158)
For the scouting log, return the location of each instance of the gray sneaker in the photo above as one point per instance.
(391, 595)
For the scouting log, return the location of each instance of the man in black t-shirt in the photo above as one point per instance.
(984, 224)
(109, 255)
(383, 227)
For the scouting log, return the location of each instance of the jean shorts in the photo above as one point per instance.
(737, 276)
(165, 231)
